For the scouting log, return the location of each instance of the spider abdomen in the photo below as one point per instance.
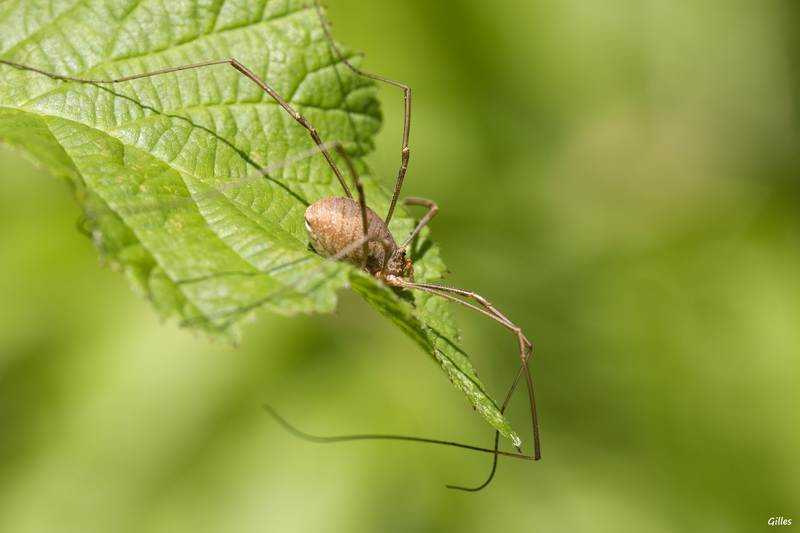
(334, 223)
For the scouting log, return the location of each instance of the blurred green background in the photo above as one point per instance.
(619, 177)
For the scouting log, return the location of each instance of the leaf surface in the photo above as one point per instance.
(194, 183)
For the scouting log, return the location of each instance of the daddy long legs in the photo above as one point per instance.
(344, 228)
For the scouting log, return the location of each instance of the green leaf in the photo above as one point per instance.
(167, 167)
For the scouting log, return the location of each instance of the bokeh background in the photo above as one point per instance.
(619, 177)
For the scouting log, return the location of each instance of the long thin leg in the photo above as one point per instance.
(345, 438)
(496, 442)
(433, 208)
(491, 312)
(362, 204)
(406, 116)
(333, 258)
(235, 64)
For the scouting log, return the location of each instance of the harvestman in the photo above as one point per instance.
(345, 229)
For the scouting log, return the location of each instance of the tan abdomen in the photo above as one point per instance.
(334, 223)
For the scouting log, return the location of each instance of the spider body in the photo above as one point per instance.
(336, 228)
(345, 229)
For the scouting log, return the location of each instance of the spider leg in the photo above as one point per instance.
(489, 311)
